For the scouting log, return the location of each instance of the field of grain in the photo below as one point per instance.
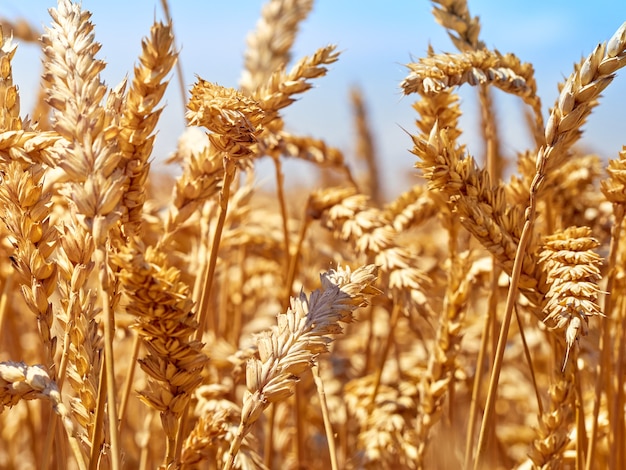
(147, 320)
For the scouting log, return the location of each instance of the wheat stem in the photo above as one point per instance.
(208, 275)
(130, 374)
(203, 307)
(280, 192)
(477, 386)
(108, 322)
(393, 322)
(531, 367)
(328, 428)
(506, 321)
(605, 339)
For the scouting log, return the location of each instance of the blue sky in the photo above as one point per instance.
(376, 38)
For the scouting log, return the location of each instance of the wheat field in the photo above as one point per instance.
(476, 321)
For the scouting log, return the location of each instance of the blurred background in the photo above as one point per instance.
(377, 38)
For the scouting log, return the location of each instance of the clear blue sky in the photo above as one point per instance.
(376, 38)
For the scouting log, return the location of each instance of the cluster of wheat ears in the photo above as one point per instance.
(199, 322)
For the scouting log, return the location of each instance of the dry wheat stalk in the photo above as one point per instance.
(562, 130)
(483, 207)
(438, 379)
(303, 333)
(269, 46)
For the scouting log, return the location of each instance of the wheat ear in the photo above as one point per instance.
(573, 272)
(162, 306)
(365, 145)
(21, 382)
(140, 116)
(270, 45)
(25, 212)
(302, 333)
(91, 158)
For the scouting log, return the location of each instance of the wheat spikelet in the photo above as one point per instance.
(269, 46)
(233, 118)
(78, 315)
(277, 93)
(437, 72)
(19, 381)
(29, 147)
(9, 97)
(202, 174)
(455, 17)
(214, 431)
